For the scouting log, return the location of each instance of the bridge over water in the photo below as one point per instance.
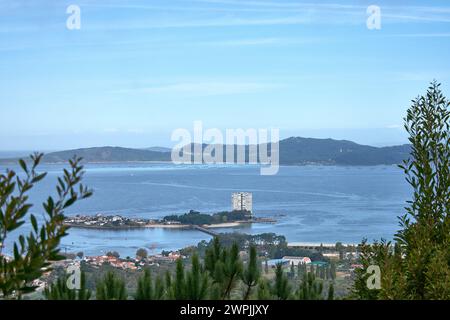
(205, 230)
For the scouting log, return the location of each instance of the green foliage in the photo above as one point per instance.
(250, 276)
(301, 270)
(264, 291)
(281, 288)
(32, 253)
(178, 289)
(197, 218)
(141, 253)
(224, 267)
(146, 290)
(196, 281)
(330, 295)
(417, 266)
(231, 269)
(111, 288)
(114, 254)
(332, 271)
(310, 288)
(60, 290)
(188, 285)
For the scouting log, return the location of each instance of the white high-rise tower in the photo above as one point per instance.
(242, 201)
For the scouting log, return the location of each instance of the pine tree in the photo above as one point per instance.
(251, 274)
(144, 288)
(291, 273)
(179, 284)
(212, 255)
(322, 272)
(232, 269)
(147, 290)
(196, 281)
(159, 289)
(111, 288)
(332, 270)
(310, 288)
(281, 289)
(60, 290)
(264, 290)
(224, 267)
(331, 292)
(168, 284)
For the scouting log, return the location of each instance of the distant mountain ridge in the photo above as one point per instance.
(108, 154)
(293, 151)
(296, 150)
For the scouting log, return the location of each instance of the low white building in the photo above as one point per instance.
(331, 255)
(297, 260)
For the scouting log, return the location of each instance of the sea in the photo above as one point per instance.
(312, 203)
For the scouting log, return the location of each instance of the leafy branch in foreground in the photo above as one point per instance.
(417, 266)
(32, 253)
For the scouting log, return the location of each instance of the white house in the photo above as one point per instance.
(297, 260)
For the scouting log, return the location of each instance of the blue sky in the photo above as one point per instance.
(137, 70)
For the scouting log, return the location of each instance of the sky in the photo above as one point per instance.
(137, 70)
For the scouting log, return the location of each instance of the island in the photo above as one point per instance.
(190, 220)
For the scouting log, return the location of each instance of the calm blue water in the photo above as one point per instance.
(310, 203)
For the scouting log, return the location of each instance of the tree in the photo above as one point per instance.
(341, 249)
(232, 268)
(111, 288)
(331, 292)
(80, 254)
(281, 289)
(425, 235)
(251, 274)
(310, 288)
(301, 270)
(264, 290)
(332, 270)
(292, 271)
(60, 290)
(266, 267)
(224, 267)
(417, 266)
(196, 281)
(177, 287)
(146, 290)
(141, 253)
(32, 253)
(114, 254)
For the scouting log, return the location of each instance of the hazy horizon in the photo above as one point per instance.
(20, 152)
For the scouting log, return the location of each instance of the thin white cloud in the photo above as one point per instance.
(261, 42)
(204, 88)
(421, 35)
(234, 13)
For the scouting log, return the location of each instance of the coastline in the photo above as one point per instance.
(161, 225)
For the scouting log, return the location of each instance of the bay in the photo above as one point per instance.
(322, 204)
